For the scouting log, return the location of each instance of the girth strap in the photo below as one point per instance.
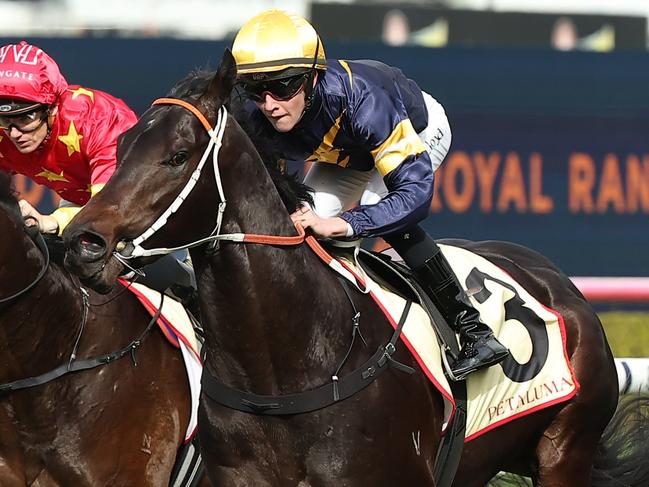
(314, 399)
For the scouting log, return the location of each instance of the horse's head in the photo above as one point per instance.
(159, 158)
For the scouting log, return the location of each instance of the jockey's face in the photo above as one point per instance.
(283, 114)
(30, 136)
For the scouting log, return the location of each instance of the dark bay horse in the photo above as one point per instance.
(278, 322)
(117, 424)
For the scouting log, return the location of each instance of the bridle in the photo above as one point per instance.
(323, 396)
(134, 248)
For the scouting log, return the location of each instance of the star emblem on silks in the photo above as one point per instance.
(52, 176)
(72, 139)
(87, 189)
(82, 91)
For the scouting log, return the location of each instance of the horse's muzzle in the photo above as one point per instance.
(88, 257)
(85, 246)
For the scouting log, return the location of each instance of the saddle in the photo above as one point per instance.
(392, 274)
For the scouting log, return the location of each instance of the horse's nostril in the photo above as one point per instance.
(89, 243)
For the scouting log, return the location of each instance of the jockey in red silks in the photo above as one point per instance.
(373, 136)
(65, 137)
(61, 136)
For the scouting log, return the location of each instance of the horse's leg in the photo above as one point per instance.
(566, 450)
(567, 447)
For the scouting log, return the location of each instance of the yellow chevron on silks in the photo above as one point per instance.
(536, 378)
(346, 67)
(401, 143)
(326, 151)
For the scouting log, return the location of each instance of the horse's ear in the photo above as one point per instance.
(224, 79)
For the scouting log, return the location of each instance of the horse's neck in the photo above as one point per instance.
(261, 301)
(271, 312)
(34, 326)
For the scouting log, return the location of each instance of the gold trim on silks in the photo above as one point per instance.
(401, 143)
(281, 165)
(275, 40)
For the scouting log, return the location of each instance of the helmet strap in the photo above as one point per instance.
(49, 127)
(309, 91)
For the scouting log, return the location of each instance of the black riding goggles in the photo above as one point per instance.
(25, 122)
(279, 89)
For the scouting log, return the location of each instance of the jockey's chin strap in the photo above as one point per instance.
(133, 249)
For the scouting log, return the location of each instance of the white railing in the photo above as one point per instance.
(614, 289)
(632, 375)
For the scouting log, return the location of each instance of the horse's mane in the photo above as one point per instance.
(292, 192)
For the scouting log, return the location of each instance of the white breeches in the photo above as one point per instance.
(337, 189)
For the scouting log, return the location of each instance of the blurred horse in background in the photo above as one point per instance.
(118, 423)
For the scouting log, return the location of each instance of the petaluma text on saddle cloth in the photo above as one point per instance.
(511, 405)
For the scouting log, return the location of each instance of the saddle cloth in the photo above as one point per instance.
(175, 324)
(537, 375)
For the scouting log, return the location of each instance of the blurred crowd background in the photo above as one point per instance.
(595, 25)
(548, 99)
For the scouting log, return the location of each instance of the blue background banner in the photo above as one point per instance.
(550, 149)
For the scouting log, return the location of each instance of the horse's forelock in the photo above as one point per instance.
(193, 85)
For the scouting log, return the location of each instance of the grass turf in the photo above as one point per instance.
(627, 332)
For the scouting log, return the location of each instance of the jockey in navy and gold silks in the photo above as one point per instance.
(352, 125)
(374, 138)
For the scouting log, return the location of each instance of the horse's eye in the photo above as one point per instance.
(178, 159)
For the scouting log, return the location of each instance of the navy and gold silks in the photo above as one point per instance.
(365, 114)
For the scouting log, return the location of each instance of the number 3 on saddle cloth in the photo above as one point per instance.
(536, 375)
(177, 327)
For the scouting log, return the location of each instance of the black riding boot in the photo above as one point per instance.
(480, 348)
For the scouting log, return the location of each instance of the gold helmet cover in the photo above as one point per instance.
(276, 40)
